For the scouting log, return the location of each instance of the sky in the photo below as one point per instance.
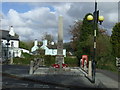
(32, 19)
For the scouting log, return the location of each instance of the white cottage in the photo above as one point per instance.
(9, 44)
(48, 51)
(35, 47)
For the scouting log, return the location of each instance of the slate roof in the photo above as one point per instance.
(4, 34)
(48, 46)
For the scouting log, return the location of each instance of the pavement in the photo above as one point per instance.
(75, 78)
(108, 78)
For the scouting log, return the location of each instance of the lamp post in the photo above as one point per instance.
(95, 18)
(52, 43)
(12, 50)
(7, 54)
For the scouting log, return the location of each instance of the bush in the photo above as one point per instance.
(107, 63)
(49, 60)
(41, 51)
(23, 61)
(71, 61)
(26, 55)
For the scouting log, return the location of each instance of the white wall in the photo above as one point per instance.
(24, 50)
(64, 52)
(4, 42)
(50, 52)
(15, 43)
(34, 48)
(16, 51)
(54, 52)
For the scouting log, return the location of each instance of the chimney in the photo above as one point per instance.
(36, 42)
(45, 42)
(11, 32)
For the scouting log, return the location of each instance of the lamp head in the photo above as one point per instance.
(89, 17)
(101, 18)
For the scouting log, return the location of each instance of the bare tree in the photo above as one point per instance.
(48, 37)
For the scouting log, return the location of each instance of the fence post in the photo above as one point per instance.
(90, 69)
(31, 67)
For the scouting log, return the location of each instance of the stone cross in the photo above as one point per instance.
(60, 56)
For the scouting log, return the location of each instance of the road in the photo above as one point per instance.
(9, 82)
(65, 82)
(114, 75)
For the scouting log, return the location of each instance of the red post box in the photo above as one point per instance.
(84, 57)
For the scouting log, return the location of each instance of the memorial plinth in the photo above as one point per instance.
(60, 56)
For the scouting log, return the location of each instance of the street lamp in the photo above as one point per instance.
(101, 19)
(52, 43)
(90, 17)
(95, 18)
(12, 47)
(8, 39)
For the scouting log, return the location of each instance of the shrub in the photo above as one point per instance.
(107, 63)
(26, 55)
(23, 61)
(71, 61)
(49, 60)
(41, 51)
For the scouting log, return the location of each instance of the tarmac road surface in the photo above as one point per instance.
(15, 74)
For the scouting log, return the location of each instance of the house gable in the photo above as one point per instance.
(4, 34)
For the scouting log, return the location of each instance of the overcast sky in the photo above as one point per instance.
(32, 20)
